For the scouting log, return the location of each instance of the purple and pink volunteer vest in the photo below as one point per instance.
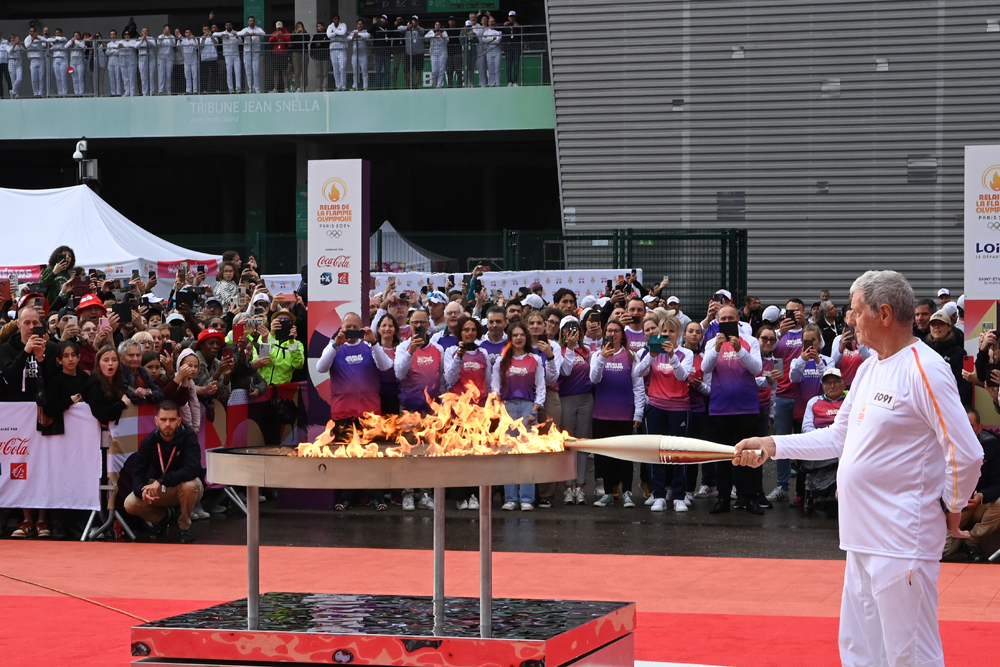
(520, 379)
(734, 388)
(354, 382)
(665, 391)
(424, 373)
(825, 411)
(578, 380)
(613, 399)
(473, 371)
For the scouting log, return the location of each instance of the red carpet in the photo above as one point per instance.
(679, 599)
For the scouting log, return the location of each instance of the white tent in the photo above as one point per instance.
(398, 254)
(36, 222)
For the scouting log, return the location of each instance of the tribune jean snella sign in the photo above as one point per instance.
(337, 252)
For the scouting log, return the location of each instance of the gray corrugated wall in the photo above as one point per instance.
(836, 128)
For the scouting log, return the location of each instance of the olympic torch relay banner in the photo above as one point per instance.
(337, 257)
(52, 471)
(982, 256)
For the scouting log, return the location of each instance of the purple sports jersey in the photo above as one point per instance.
(578, 380)
(810, 386)
(493, 349)
(788, 348)
(636, 340)
(734, 388)
(424, 373)
(447, 339)
(354, 382)
(520, 379)
(613, 398)
(473, 371)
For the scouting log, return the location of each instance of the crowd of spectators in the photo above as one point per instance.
(222, 56)
(630, 361)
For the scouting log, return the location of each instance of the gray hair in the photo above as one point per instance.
(887, 288)
(126, 344)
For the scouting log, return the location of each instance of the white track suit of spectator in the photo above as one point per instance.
(337, 32)
(77, 60)
(128, 62)
(111, 50)
(147, 62)
(439, 54)
(231, 52)
(16, 62)
(359, 55)
(36, 46)
(60, 62)
(491, 45)
(251, 54)
(165, 59)
(189, 47)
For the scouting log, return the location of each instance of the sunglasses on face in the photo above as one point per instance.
(768, 339)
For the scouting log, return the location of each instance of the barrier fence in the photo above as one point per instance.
(224, 63)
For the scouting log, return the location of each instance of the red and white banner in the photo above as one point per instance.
(25, 274)
(49, 471)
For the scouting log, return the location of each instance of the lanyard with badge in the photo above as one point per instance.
(163, 468)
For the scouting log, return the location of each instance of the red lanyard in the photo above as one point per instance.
(160, 452)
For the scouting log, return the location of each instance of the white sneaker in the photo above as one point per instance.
(463, 504)
(199, 513)
(679, 506)
(569, 496)
(527, 507)
(509, 506)
(688, 498)
(605, 500)
(651, 500)
(778, 494)
(425, 502)
(473, 502)
(408, 504)
(706, 492)
(599, 487)
(659, 504)
(732, 494)
(627, 497)
(581, 496)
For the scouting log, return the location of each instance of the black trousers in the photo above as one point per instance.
(615, 471)
(729, 430)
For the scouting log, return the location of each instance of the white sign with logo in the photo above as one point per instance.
(337, 250)
(982, 222)
(49, 471)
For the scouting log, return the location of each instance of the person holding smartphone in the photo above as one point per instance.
(26, 356)
(576, 395)
(806, 375)
(287, 352)
(466, 362)
(59, 269)
(733, 358)
(848, 355)
(667, 365)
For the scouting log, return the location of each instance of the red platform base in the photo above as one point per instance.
(396, 631)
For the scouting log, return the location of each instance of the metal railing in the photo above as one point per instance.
(452, 57)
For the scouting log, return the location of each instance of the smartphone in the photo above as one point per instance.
(38, 288)
(655, 344)
(201, 268)
(144, 301)
(808, 345)
(987, 326)
(243, 295)
(177, 334)
(167, 347)
(123, 311)
(81, 285)
(283, 331)
(779, 365)
(13, 281)
(227, 352)
(969, 364)
(354, 334)
(265, 350)
(239, 330)
(607, 340)
(185, 296)
(470, 347)
(420, 332)
(135, 273)
(5, 293)
(103, 324)
(608, 288)
(38, 331)
(451, 278)
(152, 274)
(729, 328)
(71, 320)
(182, 269)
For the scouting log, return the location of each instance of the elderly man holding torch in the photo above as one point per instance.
(909, 462)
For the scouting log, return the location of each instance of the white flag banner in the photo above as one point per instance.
(49, 471)
(583, 282)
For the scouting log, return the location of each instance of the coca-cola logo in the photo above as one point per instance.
(340, 261)
(15, 447)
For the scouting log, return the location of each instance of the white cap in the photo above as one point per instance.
(261, 296)
(649, 298)
(152, 298)
(672, 299)
(588, 301)
(566, 320)
(603, 301)
(951, 308)
(437, 297)
(175, 317)
(961, 302)
(534, 301)
(944, 292)
(771, 314)
(832, 371)
(726, 293)
(512, 13)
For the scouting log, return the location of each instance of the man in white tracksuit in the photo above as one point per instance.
(231, 52)
(111, 50)
(77, 59)
(165, 59)
(337, 32)
(251, 53)
(146, 44)
(190, 47)
(60, 62)
(36, 45)
(909, 462)
(359, 54)
(439, 53)
(490, 44)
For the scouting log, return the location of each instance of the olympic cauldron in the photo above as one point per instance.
(459, 443)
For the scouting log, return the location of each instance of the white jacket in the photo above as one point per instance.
(251, 38)
(338, 36)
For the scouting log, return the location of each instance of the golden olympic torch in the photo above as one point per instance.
(655, 449)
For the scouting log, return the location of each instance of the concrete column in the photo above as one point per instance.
(256, 204)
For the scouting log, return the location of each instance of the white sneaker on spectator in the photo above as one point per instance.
(599, 487)
(627, 498)
(705, 491)
(651, 500)
(473, 502)
(605, 500)
(688, 498)
(509, 506)
(679, 506)
(463, 504)
(425, 502)
(527, 507)
(778, 494)
(408, 504)
(659, 504)
(569, 496)
(581, 496)
(199, 513)
(732, 494)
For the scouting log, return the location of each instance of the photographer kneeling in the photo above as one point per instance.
(167, 473)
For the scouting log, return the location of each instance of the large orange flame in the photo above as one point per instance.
(455, 426)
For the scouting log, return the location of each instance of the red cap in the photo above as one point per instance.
(210, 333)
(89, 300)
(28, 299)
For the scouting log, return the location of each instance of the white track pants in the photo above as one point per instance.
(234, 72)
(359, 67)
(338, 61)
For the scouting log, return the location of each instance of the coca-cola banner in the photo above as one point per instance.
(50, 471)
(337, 257)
